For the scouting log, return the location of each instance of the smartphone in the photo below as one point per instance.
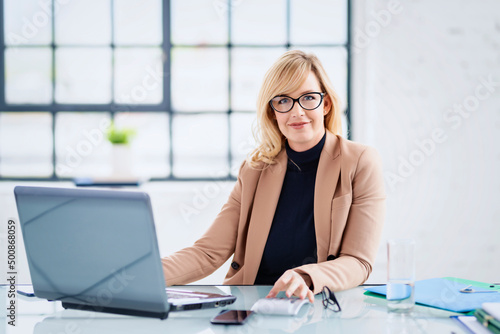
(231, 317)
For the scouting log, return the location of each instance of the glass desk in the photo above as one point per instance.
(360, 314)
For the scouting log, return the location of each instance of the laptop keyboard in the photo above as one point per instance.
(179, 294)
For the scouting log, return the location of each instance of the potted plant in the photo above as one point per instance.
(121, 154)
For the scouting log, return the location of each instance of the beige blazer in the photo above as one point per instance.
(349, 209)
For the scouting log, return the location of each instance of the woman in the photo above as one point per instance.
(308, 207)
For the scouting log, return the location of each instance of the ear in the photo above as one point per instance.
(327, 104)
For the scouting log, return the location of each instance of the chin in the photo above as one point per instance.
(300, 140)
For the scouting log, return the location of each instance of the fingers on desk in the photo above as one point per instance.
(293, 285)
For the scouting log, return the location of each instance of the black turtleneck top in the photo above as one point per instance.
(292, 240)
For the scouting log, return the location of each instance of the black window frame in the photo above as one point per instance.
(166, 105)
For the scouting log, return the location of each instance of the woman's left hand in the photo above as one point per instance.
(293, 284)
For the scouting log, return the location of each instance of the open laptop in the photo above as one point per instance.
(97, 250)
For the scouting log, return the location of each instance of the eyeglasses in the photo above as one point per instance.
(329, 300)
(308, 101)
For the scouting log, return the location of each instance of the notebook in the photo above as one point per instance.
(97, 250)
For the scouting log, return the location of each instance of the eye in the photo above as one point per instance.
(309, 97)
(283, 100)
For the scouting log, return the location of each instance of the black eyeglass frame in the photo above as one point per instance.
(297, 100)
(330, 300)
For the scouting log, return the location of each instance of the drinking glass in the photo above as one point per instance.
(400, 275)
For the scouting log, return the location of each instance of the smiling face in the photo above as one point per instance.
(304, 128)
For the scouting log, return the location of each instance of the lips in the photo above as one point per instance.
(298, 125)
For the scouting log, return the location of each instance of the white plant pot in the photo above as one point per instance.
(122, 160)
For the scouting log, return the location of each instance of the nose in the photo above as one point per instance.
(296, 110)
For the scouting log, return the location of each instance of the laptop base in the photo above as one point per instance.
(83, 307)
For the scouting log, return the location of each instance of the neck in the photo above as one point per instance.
(305, 161)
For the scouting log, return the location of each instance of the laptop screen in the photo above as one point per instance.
(92, 247)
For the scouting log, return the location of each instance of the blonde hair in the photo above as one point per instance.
(285, 76)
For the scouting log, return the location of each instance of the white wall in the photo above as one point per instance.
(413, 69)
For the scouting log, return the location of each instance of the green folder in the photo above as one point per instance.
(487, 321)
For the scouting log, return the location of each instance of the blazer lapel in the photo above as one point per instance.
(266, 200)
(326, 182)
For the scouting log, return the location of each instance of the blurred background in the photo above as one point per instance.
(163, 93)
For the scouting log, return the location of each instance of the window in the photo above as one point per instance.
(183, 74)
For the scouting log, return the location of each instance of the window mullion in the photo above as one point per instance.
(167, 70)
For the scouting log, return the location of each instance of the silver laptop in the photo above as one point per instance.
(97, 250)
